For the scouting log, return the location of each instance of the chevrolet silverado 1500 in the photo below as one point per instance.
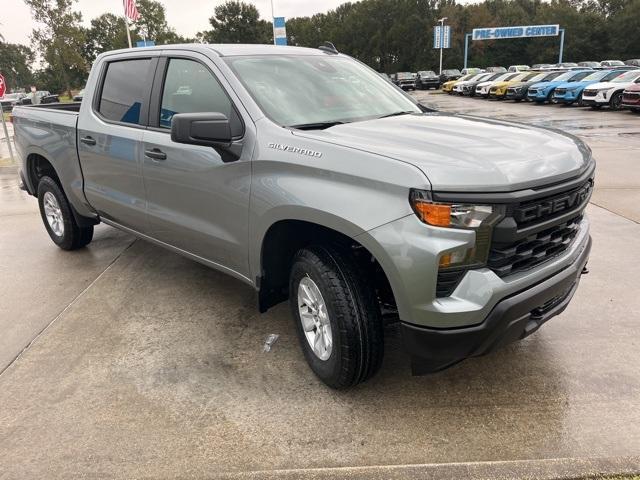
(306, 175)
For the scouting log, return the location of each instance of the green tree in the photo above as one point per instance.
(237, 22)
(153, 25)
(15, 65)
(107, 32)
(60, 41)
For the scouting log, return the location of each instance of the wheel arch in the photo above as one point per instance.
(285, 237)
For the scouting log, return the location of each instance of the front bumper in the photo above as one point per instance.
(516, 93)
(568, 96)
(513, 318)
(538, 96)
(430, 83)
(601, 98)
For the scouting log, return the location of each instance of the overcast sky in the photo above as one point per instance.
(186, 16)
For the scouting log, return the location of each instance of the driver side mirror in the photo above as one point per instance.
(211, 129)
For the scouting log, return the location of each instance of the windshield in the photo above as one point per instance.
(533, 77)
(627, 77)
(306, 89)
(596, 76)
(404, 75)
(427, 73)
(579, 76)
(564, 77)
(611, 75)
(518, 77)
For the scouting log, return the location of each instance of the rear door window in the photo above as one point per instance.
(125, 90)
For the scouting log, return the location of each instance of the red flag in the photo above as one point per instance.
(130, 10)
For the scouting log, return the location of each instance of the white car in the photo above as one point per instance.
(609, 93)
(458, 87)
(482, 89)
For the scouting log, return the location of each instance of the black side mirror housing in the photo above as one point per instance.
(211, 129)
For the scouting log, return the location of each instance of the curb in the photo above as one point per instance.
(549, 469)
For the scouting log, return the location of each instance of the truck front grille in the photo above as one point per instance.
(532, 232)
(510, 258)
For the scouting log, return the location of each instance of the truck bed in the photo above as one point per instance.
(49, 131)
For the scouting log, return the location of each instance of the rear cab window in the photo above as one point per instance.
(125, 90)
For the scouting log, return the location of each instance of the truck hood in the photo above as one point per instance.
(466, 153)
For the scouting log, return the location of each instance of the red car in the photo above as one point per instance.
(631, 97)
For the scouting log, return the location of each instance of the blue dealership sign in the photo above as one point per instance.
(442, 36)
(498, 33)
(279, 31)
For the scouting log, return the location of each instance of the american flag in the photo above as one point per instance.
(130, 10)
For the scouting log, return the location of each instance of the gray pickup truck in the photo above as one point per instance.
(307, 176)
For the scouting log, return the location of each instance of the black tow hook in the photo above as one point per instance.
(585, 270)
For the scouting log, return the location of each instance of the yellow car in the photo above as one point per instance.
(499, 89)
(447, 87)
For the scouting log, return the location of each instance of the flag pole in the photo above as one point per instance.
(126, 25)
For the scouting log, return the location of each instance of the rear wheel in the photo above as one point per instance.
(337, 316)
(616, 101)
(58, 218)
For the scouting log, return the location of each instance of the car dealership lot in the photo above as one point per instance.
(154, 366)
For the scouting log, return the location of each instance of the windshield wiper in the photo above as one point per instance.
(395, 114)
(316, 125)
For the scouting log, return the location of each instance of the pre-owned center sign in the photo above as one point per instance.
(498, 33)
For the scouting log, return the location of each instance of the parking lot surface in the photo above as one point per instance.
(144, 364)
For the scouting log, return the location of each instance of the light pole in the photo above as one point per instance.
(441, 22)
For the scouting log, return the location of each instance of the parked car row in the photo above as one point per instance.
(616, 88)
(11, 100)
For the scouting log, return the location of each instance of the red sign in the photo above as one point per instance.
(3, 86)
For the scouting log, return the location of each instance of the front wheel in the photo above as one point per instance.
(616, 101)
(337, 316)
(58, 218)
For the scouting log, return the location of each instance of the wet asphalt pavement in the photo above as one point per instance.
(135, 362)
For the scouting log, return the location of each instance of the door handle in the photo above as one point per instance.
(88, 140)
(156, 154)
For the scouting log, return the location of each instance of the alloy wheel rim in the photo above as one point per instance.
(314, 318)
(53, 214)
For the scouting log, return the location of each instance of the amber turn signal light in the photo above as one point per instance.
(435, 214)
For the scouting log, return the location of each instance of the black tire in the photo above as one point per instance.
(579, 100)
(73, 236)
(353, 312)
(616, 101)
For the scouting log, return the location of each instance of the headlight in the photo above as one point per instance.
(479, 218)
